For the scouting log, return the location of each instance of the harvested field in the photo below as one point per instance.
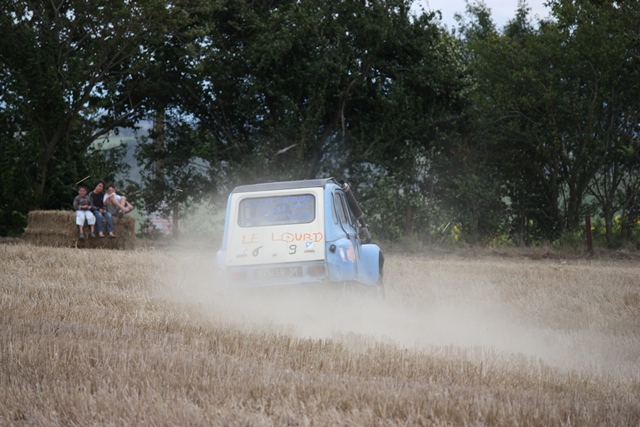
(146, 338)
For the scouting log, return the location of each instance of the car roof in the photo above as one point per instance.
(285, 185)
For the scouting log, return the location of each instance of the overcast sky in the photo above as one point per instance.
(501, 10)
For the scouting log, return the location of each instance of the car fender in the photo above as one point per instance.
(373, 263)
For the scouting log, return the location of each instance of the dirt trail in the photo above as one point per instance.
(430, 312)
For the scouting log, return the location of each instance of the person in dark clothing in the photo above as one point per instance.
(99, 211)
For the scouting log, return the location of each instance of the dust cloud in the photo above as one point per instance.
(480, 327)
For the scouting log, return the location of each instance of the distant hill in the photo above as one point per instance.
(129, 138)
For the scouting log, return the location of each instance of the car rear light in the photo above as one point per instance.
(238, 275)
(316, 270)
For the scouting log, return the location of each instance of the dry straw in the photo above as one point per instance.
(59, 229)
(153, 343)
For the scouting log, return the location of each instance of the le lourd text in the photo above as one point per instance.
(284, 237)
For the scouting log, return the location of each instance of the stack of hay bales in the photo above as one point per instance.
(58, 228)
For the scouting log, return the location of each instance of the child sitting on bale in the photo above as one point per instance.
(82, 206)
(116, 204)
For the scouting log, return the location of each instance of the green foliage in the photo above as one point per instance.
(395, 214)
(556, 111)
(70, 72)
(475, 137)
(189, 169)
(15, 191)
(108, 164)
(314, 75)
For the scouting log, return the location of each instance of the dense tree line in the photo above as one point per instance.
(512, 134)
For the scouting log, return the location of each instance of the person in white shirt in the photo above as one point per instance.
(115, 203)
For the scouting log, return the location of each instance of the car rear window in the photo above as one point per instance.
(277, 210)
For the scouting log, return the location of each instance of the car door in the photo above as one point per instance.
(348, 246)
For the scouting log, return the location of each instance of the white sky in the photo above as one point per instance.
(501, 10)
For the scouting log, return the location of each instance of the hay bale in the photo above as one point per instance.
(59, 229)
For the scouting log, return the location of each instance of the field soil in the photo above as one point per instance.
(476, 338)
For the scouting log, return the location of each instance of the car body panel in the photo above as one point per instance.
(270, 242)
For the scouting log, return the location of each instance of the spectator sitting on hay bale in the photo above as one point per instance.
(116, 204)
(82, 206)
(97, 200)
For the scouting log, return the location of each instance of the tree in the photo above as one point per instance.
(604, 37)
(469, 182)
(553, 101)
(295, 89)
(70, 71)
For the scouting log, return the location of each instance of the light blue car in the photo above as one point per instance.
(297, 233)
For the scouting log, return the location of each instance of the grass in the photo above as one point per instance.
(147, 338)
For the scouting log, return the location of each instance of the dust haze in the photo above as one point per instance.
(446, 313)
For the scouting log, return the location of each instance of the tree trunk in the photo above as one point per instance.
(408, 222)
(521, 235)
(555, 213)
(42, 171)
(39, 185)
(175, 230)
(629, 217)
(608, 227)
(158, 130)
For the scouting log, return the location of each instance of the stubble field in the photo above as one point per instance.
(98, 337)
